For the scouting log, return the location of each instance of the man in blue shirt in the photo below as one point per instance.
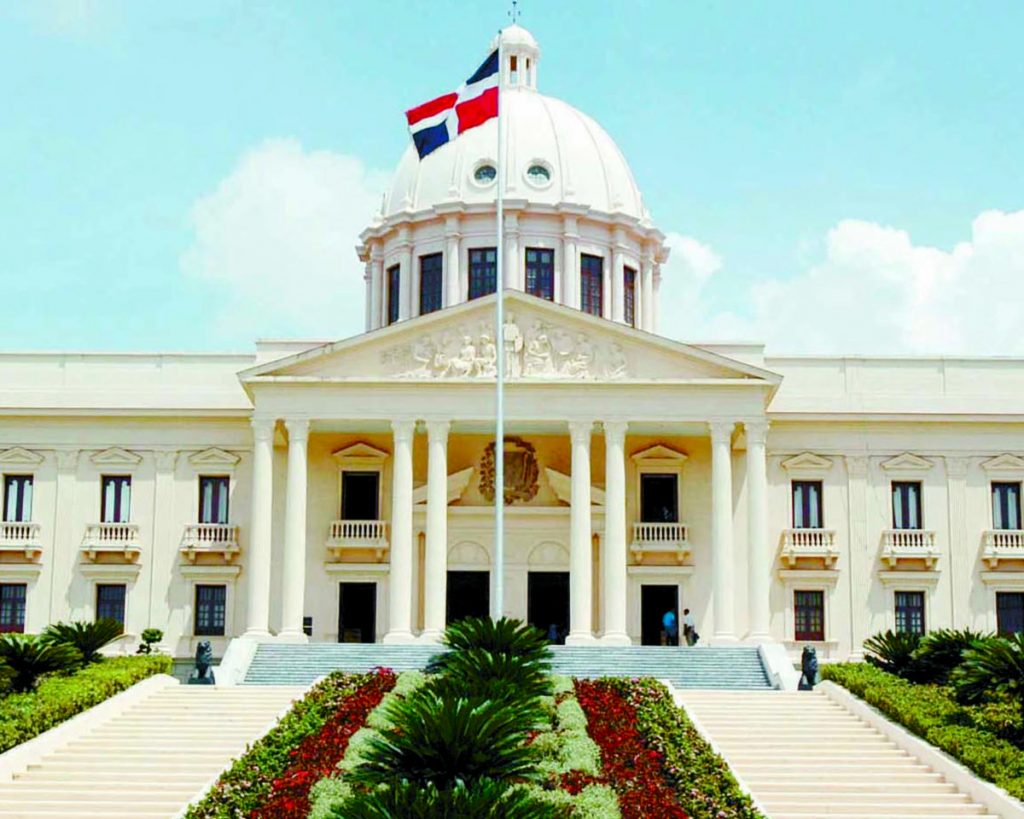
(671, 627)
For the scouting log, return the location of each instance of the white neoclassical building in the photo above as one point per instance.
(344, 490)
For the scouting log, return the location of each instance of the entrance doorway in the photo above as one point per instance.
(469, 595)
(654, 602)
(357, 612)
(547, 603)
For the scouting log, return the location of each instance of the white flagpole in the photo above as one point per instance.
(499, 415)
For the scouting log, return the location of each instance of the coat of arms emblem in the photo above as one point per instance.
(521, 471)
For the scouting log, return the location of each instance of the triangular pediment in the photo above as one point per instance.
(807, 462)
(1004, 463)
(456, 487)
(361, 453)
(907, 461)
(213, 457)
(561, 485)
(659, 453)
(544, 342)
(18, 456)
(115, 456)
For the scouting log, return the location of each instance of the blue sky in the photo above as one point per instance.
(804, 153)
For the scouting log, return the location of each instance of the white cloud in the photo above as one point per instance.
(278, 237)
(875, 291)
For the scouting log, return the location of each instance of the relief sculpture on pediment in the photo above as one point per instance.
(533, 350)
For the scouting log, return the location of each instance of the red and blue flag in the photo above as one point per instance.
(440, 120)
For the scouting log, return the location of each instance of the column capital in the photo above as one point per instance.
(67, 459)
(856, 465)
(580, 431)
(298, 429)
(263, 428)
(615, 430)
(437, 430)
(403, 429)
(165, 460)
(756, 430)
(956, 467)
(721, 430)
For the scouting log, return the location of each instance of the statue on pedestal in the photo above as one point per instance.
(202, 674)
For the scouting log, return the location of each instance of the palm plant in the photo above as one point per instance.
(941, 651)
(992, 666)
(892, 651)
(480, 673)
(506, 636)
(87, 637)
(482, 799)
(27, 658)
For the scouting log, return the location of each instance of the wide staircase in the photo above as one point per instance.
(802, 755)
(150, 760)
(697, 667)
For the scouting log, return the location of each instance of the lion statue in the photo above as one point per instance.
(202, 674)
(809, 667)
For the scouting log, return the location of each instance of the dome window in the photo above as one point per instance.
(539, 175)
(485, 174)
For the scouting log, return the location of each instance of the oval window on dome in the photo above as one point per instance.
(485, 174)
(538, 174)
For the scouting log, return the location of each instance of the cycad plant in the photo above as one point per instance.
(994, 666)
(505, 636)
(27, 658)
(893, 651)
(87, 638)
(482, 799)
(939, 652)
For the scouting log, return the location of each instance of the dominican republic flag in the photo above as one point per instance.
(434, 123)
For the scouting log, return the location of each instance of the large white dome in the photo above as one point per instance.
(584, 165)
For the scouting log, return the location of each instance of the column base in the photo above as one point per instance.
(758, 637)
(580, 638)
(399, 638)
(290, 636)
(259, 634)
(432, 637)
(616, 638)
(724, 640)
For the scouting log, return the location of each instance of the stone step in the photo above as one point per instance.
(886, 809)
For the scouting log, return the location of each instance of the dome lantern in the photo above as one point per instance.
(520, 55)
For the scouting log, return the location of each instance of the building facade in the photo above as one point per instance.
(344, 490)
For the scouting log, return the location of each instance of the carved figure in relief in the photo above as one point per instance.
(423, 355)
(538, 351)
(487, 362)
(563, 347)
(617, 363)
(582, 357)
(513, 341)
(462, 365)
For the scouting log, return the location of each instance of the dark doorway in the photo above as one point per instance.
(357, 613)
(360, 492)
(659, 498)
(654, 602)
(547, 603)
(469, 595)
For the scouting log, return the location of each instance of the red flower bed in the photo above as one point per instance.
(318, 755)
(631, 768)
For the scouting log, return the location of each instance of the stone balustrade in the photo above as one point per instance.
(117, 538)
(1002, 544)
(358, 534)
(218, 539)
(909, 544)
(660, 538)
(20, 536)
(809, 543)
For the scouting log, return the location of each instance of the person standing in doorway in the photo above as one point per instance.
(689, 628)
(670, 627)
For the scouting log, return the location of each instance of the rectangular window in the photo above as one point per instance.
(17, 498)
(807, 505)
(910, 612)
(906, 505)
(211, 603)
(483, 271)
(117, 499)
(1006, 506)
(213, 499)
(12, 607)
(1009, 612)
(431, 276)
(360, 495)
(591, 284)
(394, 291)
(540, 273)
(629, 295)
(110, 601)
(659, 498)
(809, 615)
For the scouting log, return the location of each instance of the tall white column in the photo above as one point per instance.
(257, 618)
(511, 262)
(647, 294)
(618, 274)
(377, 290)
(581, 631)
(452, 257)
(400, 578)
(613, 563)
(435, 561)
(759, 560)
(570, 265)
(405, 275)
(655, 301)
(721, 530)
(368, 296)
(607, 274)
(293, 567)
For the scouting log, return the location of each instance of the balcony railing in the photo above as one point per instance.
(909, 544)
(660, 538)
(112, 538)
(1002, 544)
(358, 534)
(810, 543)
(218, 539)
(20, 537)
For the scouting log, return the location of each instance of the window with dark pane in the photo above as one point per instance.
(591, 284)
(629, 295)
(809, 615)
(910, 612)
(1010, 613)
(110, 599)
(213, 498)
(807, 511)
(431, 277)
(12, 607)
(394, 292)
(211, 604)
(659, 498)
(117, 499)
(17, 498)
(360, 495)
(1006, 506)
(540, 273)
(483, 271)
(906, 505)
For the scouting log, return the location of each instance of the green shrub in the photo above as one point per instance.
(995, 666)
(479, 799)
(150, 637)
(27, 658)
(87, 638)
(892, 651)
(933, 713)
(507, 637)
(24, 716)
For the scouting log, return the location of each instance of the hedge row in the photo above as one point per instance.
(933, 714)
(24, 716)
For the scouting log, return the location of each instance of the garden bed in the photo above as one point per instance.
(58, 698)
